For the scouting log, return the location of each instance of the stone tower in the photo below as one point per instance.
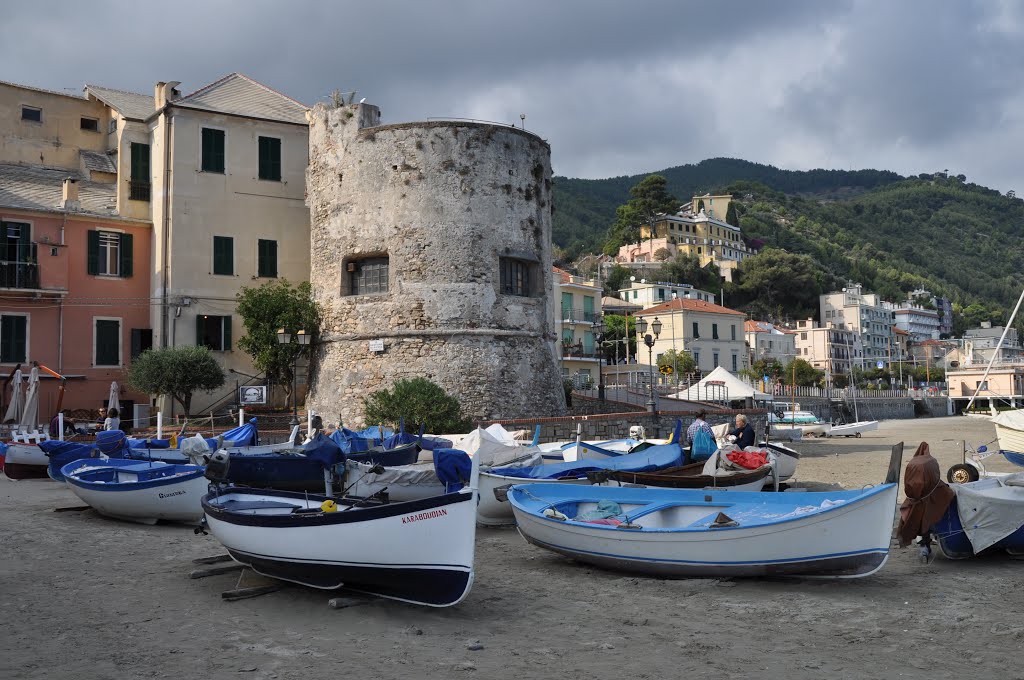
(431, 256)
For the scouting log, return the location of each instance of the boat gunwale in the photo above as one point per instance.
(69, 477)
(314, 519)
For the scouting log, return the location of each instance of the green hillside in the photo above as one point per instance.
(890, 233)
(585, 208)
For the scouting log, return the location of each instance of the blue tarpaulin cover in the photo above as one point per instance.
(453, 468)
(324, 450)
(111, 442)
(653, 458)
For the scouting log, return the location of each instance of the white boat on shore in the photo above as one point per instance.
(684, 533)
(853, 429)
(138, 491)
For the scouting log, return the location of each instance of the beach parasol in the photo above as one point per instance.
(113, 402)
(13, 414)
(30, 416)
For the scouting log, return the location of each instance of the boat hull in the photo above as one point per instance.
(25, 461)
(494, 512)
(420, 552)
(691, 477)
(847, 541)
(854, 429)
(1009, 439)
(176, 499)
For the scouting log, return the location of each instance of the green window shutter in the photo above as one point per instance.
(267, 258)
(108, 335)
(140, 162)
(12, 339)
(223, 255)
(213, 150)
(226, 324)
(93, 259)
(126, 256)
(270, 158)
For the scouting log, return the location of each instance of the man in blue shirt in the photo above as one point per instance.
(744, 433)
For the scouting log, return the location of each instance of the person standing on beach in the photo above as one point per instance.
(699, 423)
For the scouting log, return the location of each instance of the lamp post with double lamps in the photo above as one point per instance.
(598, 328)
(302, 339)
(641, 329)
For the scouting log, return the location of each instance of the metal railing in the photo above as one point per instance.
(579, 315)
(139, 190)
(19, 274)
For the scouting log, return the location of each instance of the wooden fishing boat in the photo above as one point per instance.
(686, 477)
(689, 532)
(494, 509)
(419, 551)
(139, 492)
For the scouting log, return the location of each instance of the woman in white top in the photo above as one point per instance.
(112, 422)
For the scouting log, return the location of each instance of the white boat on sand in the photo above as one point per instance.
(684, 533)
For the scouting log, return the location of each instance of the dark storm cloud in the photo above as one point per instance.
(616, 87)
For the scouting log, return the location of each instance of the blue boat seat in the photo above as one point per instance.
(233, 506)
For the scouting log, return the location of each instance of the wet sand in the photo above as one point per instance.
(86, 597)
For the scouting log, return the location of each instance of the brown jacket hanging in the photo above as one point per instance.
(927, 496)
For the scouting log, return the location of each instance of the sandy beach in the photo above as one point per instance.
(86, 597)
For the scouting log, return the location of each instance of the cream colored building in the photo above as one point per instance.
(712, 334)
(650, 293)
(864, 314)
(767, 342)
(828, 348)
(579, 308)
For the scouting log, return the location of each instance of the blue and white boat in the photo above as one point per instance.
(684, 533)
(138, 491)
(985, 516)
(495, 510)
(419, 551)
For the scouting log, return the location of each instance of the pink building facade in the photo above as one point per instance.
(74, 294)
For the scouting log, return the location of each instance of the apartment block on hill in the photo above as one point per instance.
(864, 314)
(828, 348)
(579, 311)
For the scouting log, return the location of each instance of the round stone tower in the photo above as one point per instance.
(431, 257)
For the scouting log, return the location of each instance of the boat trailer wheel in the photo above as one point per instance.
(961, 473)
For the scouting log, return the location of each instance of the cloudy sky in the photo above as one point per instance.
(617, 87)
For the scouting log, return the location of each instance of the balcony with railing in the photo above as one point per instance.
(19, 274)
(139, 190)
(579, 315)
(577, 351)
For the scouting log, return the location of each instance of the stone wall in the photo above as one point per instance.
(616, 425)
(446, 203)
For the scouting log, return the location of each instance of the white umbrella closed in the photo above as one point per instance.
(13, 414)
(30, 416)
(114, 402)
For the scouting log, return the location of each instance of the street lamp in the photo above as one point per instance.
(641, 327)
(302, 339)
(598, 327)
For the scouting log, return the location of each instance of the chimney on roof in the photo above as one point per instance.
(70, 196)
(165, 92)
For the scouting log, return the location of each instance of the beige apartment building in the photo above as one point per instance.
(712, 334)
(828, 348)
(768, 342)
(579, 310)
(863, 313)
(220, 175)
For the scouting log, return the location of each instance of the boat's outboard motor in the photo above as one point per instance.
(217, 467)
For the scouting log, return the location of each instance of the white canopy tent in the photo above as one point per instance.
(14, 409)
(720, 385)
